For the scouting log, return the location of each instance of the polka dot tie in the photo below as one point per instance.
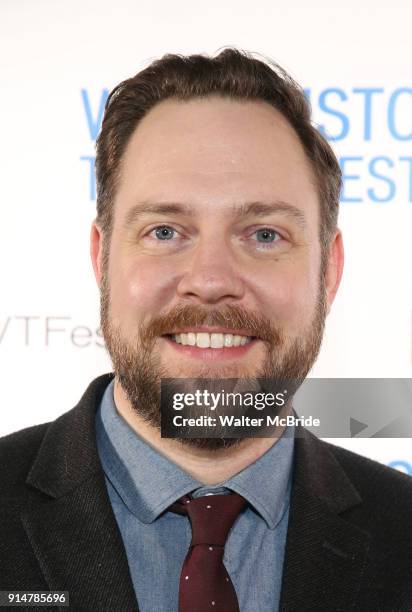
(205, 585)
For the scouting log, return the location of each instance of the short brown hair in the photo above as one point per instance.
(233, 74)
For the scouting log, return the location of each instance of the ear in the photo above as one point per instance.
(96, 250)
(334, 268)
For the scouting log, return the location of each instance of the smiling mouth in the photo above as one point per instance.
(212, 340)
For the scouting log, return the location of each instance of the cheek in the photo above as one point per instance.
(140, 290)
(288, 294)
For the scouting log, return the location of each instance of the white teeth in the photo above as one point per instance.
(215, 340)
(203, 340)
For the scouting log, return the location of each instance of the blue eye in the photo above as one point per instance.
(266, 235)
(164, 232)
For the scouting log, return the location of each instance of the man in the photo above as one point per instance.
(217, 254)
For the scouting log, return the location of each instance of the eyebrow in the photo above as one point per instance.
(241, 210)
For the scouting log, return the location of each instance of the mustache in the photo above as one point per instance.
(230, 316)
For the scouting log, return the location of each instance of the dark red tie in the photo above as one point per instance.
(205, 585)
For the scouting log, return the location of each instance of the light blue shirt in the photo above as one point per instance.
(142, 484)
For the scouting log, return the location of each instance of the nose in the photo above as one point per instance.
(212, 276)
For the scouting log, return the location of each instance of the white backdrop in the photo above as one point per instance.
(59, 60)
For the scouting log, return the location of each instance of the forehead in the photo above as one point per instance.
(214, 153)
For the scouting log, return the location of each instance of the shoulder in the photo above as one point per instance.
(17, 453)
(367, 472)
(386, 490)
(385, 514)
(56, 441)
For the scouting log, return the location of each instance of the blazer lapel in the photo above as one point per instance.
(69, 519)
(325, 555)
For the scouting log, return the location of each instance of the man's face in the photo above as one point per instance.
(215, 236)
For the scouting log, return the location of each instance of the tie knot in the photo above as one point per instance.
(211, 517)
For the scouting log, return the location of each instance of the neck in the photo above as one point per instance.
(209, 467)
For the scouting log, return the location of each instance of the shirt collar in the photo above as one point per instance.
(148, 482)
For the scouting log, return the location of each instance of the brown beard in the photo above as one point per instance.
(138, 368)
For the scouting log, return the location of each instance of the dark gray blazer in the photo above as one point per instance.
(349, 542)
